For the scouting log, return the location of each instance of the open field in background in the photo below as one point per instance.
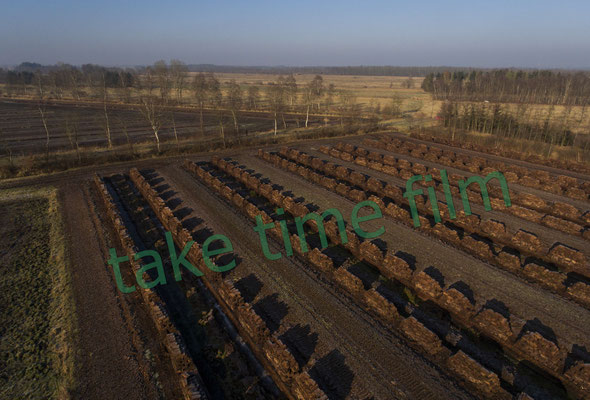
(22, 131)
(373, 90)
(493, 305)
(368, 90)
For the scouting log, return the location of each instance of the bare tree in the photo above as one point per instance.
(162, 75)
(201, 90)
(40, 84)
(41, 108)
(216, 100)
(286, 88)
(71, 130)
(57, 83)
(317, 89)
(152, 109)
(290, 88)
(74, 77)
(123, 125)
(312, 95)
(347, 106)
(408, 83)
(253, 97)
(92, 79)
(126, 79)
(276, 98)
(10, 83)
(330, 96)
(307, 101)
(178, 72)
(234, 100)
(44, 121)
(8, 149)
(173, 120)
(105, 99)
(149, 80)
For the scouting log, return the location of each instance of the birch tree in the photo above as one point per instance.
(253, 97)
(275, 94)
(105, 99)
(178, 72)
(234, 100)
(215, 98)
(152, 109)
(201, 89)
(162, 75)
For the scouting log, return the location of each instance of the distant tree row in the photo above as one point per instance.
(158, 89)
(361, 70)
(169, 84)
(66, 80)
(510, 86)
(497, 119)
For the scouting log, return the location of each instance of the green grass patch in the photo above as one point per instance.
(36, 308)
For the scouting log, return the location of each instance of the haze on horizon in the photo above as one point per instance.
(535, 34)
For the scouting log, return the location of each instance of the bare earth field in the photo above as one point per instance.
(23, 132)
(493, 305)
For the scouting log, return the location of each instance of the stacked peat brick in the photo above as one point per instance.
(425, 286)
(567, 165)
(268, 348)
(556, 215)
(190, 380)
(486, 239)
(526, 345)
(534, 178)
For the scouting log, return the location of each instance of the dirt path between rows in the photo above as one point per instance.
(568, 320)
(380, 363)
(512, 222)
(107, 364)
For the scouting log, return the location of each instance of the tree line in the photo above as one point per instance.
(497, 119)
(510, 86)
(162, 85)
(172, 80)
(65, 80)
(156, 91)
(361, 70)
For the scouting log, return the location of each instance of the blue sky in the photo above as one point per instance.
(499, 33)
